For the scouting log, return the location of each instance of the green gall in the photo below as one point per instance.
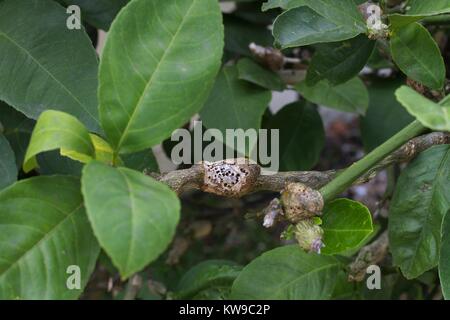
(309, 235)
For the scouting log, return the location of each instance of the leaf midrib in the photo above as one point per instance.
(44, 238)
(10, 176)
(355, 52)
(132, 222)
(294, 134)
(79, 137)
(339, 9)
(232, 97)
(345, 98)
(416, 58)
(347, 230)
(155, 72)
(446, 115)
(301, 277)
(82, 105)
(427, 218)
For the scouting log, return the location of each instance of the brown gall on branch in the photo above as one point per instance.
(193, 179)
(371, 254)
(300, 202)
(230, 178)
(299, 205)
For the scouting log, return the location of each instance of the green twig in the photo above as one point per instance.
(355, 171)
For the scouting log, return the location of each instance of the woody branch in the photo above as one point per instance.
(201, 176)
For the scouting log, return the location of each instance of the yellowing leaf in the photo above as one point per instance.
(59, 130)
(432, 115)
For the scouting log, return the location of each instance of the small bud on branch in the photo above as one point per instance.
(272, 212)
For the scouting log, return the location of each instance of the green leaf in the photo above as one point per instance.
(17, 129)
(346, 224)
(98, 13)
(344, 289)
(287, 273)
(103, 152)
(44, 64)
(351, 96)
(342, 12)
(303, 26)
(206, 275)
(302, 136)
(340, 62)
(234, 103)
(70, 162)
(432, 115)
(380, 58)
(284, 4)
(385, 116)
(59, 130)
(419, 9)
(252, 72)
(421, 199)
(317, 21)
(52, 162)
(8, 169)
(140, 161)
(143, 211)
(43, 231)
(418, 56)
(399, 21)
(163, 75)
(444, 257)
(372, 236)
(251, 11)
(348, 6)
